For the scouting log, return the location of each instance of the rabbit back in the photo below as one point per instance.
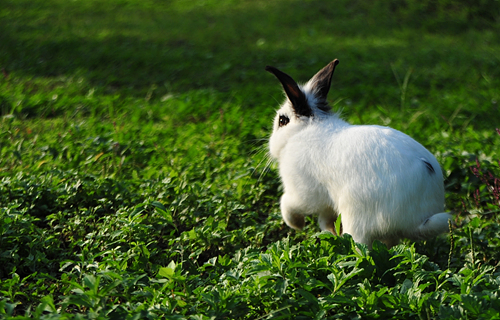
(383, 182)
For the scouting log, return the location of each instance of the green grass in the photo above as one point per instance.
(133, 177)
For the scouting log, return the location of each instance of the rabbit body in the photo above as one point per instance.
(385, 185)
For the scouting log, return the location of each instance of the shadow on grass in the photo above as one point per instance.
(133, 49)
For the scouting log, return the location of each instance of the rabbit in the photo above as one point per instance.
(384, 184)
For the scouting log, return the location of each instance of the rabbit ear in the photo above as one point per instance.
(322, 80)
(293, 92)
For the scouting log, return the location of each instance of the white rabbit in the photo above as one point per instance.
(385, 185)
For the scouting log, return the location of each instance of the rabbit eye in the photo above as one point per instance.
(284, 121)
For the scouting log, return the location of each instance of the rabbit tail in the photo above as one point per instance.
(434, 225)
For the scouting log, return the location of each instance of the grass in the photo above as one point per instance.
(133, 181)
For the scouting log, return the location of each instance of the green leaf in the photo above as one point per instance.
(280, 287)
(166, 272)
(91, 282)
(312, 300)
(158, 205)
(338, 224)
(48, 304)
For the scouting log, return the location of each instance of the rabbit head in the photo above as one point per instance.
(303, 104)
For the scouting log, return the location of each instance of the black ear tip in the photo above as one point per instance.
(335, 62)
(270, 69)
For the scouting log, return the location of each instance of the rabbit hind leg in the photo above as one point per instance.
(327, 219)
(358, 234)
(390, 242)
(291, 213)
(294, 220)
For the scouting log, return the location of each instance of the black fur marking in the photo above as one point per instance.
(323, 106)
(300, 105)
(428, 165)
(323, 79)
(293, 92)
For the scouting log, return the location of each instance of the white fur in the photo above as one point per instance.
(373, 176)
